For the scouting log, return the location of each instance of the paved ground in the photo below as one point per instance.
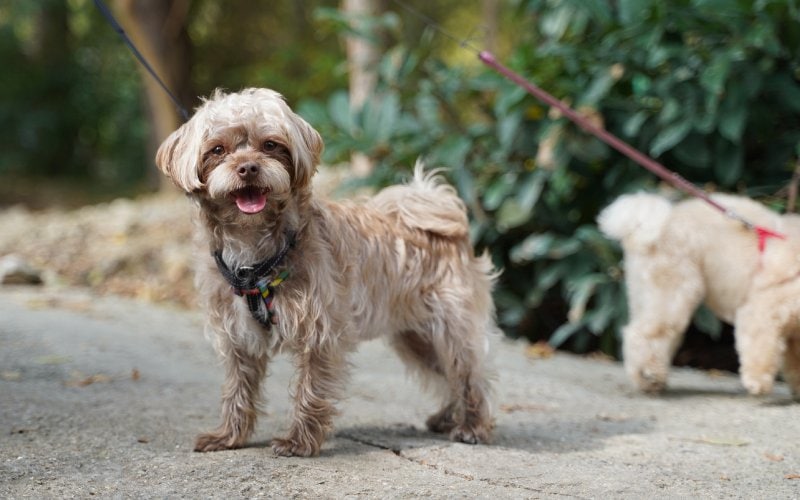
(102, 397)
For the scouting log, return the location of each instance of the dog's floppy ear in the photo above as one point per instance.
(307, 150)
(179, 156)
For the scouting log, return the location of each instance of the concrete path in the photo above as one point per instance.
(102, 397)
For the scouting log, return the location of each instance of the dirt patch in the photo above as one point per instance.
(138, 248)
(131, 247)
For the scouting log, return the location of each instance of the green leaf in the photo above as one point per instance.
(715, 75)
(606, 309)
(498, 191)
(563, 333)
(550, 275)
(465, 184)
(641, 84)
(733, 112)
(339, 111)
(509, 100)
(532, 247)
(633, 11)
(555, 22)
(511, 215)
(386, 117)
(564, 247)
(580, 293)
(530, 189)
(511, 306)
(427, 112)
(705, 120)
(787, 90)
(452, 153)
(534, 297)
(728, 162)
(671, 111)
(669, 137)
(544, 245)
(732, 122)
(507, 129)
(761, 34)
(598, 89)
(706, 322)
(634, 123)
(693, 151)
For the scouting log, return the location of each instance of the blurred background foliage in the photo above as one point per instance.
(711, 88)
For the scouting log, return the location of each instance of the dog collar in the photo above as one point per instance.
(257, 283)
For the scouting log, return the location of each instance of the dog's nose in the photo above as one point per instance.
(247, 170)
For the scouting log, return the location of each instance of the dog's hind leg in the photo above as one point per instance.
(450, 354)
(419, 354)
(460, 347)
(648, 349)
(662, 302)
(759, 330)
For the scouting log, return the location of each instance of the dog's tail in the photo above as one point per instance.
(427, 202)
(636, 220)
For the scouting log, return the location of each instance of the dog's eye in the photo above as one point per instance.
(270, 146)
(217, 150)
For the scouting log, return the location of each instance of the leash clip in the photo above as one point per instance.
(246, 274)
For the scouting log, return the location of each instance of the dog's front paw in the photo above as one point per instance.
(216, 441)
(470, 435)
(441, 422)
(649, 382)
(289, 447)
(757, 385)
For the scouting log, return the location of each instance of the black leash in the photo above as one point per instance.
(256, 284)
(253, 282)
(121, 32)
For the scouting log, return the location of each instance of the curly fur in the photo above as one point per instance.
(399, 265)
(678, 256)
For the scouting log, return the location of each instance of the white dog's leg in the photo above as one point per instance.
(760, 342)
(647, 352)
(662, 299)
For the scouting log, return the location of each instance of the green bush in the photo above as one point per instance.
(708, 87)
(71, 104)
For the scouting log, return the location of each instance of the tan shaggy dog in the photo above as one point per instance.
(677, 256)
(314, 277)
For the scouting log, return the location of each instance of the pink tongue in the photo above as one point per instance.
(251, 201)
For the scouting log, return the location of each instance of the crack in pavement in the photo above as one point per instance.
(399, 451)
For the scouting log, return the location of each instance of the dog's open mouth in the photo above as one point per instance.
(250, 199)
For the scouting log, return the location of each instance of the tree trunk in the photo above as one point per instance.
(49, 51)
(362, 58)
(158, 29)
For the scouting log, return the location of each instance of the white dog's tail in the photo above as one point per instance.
(426, 203)
(636, 220)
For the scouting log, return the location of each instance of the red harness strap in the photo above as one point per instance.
(764, 234)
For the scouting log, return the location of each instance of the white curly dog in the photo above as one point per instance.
(679, 255)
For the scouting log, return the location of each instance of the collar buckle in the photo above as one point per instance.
(256, 283)
(246, 274)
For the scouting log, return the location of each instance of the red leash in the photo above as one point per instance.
(615, 142)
